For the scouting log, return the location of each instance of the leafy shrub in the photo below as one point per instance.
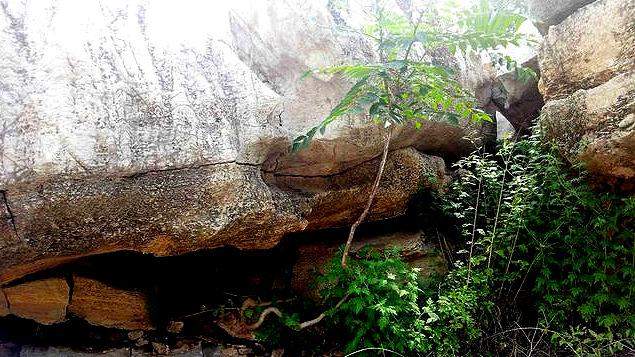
(386, 306)
(535, 224)
(381, 300)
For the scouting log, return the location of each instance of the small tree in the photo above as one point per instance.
(406, 86)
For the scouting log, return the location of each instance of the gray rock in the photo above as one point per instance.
(552, 12)
(31, 351)
(122, 133)
(586, 50)
(586, 127)
(518, 100)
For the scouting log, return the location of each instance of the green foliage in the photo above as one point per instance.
(405, 85)
(456, 310)
(381, 300)
(534, 232)
(386, 306)
(539, 226)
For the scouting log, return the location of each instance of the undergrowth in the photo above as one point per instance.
(545, 266)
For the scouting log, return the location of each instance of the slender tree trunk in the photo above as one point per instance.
(371, 198)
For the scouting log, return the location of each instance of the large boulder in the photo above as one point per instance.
(587, 49)
(552, 12)
(518, 98)
(178, 211)
(597, 126)
(122, 133)
(44, 301)
(587, 65)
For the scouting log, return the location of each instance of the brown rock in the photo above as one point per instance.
(160, 348)
(175, 326)
(597, 127)
(4, 304)
(179, 211)
(234, 324)
(586, 49)
(413, 246)
(44, 301)
(135, 335)
(104, 305)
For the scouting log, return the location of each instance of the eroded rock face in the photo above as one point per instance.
(588, 66)
(586, 50)
(104, 305)
(178, 211)
(597, 126)
(44, 301)
(123, 134)
(552, 12)
(415, 248)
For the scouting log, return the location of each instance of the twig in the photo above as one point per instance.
(303, 325)
(374, 349)
(263, 316)
(322, 315)
(478, 200)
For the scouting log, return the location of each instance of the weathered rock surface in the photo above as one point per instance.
(36, 351)
(44, 301)
(104, 305)
(588, 65)
(177, 211)
(121, 133)
(4, 304)
(597, 126)
(519, 101)
(51, 351)
(414, 248)
(552, 12)
(587, 49)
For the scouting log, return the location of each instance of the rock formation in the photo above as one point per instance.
(552, 12)
(119, 134)
(518, 100)
(129, 136)
(103, 305)
(44, 301)
(587, 63)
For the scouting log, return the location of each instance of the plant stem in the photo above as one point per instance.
(303, 325)
(478, 200)
(371, 198)
(263, 315)
(498, 209)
